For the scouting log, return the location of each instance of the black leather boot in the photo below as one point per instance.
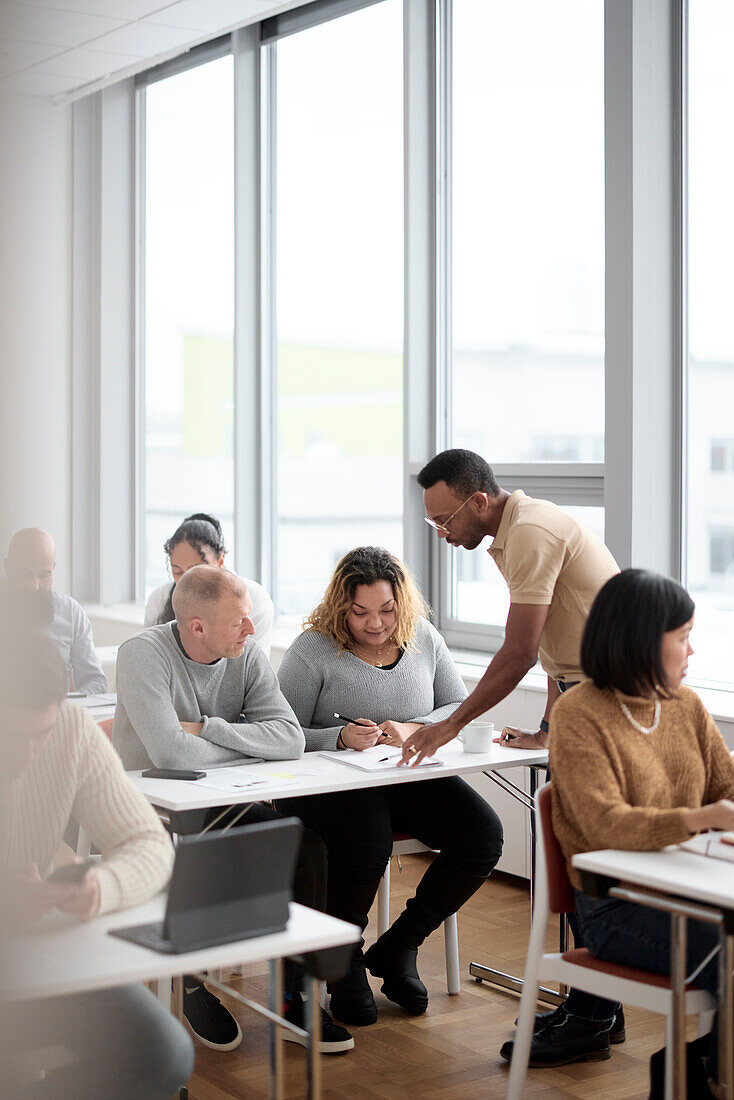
(443, 889)
(351, 997)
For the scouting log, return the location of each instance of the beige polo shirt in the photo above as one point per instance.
(548, 558)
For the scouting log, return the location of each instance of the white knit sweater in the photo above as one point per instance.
(78, 773)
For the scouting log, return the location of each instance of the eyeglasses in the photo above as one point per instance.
(445, 526)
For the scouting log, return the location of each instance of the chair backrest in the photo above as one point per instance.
(560, 891)
(106, 725)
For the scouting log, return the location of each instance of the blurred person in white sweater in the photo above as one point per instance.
(55, 761)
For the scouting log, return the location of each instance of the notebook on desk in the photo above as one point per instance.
(225, 886)
(714, 845)
(379, 758)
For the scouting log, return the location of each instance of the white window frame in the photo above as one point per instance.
(641, 482)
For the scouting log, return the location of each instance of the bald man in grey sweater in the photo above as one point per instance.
(194, 693)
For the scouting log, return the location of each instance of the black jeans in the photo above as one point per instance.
(634, 935)
(123, 1043)
(357, 827)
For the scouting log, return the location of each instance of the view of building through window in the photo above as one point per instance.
(339, 275)
(527, 247)
(710, 489)
(189, 305)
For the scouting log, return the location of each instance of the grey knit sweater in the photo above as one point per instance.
(318, 679)
(239, 701)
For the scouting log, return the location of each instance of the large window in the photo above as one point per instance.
(339, 278)
(189, 304)
(527, 242)
(291, 422)
(710, 514)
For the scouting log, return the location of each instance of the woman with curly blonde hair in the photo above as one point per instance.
(368, 649)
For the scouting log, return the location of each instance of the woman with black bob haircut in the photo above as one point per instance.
(621, 645)
(368, 651)
(199, 540)
(638, 763)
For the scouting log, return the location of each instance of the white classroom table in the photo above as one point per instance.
(688, 885)
(100, 707)
(60, 956)
(314, 774)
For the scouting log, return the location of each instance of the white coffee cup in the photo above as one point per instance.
(477, 737)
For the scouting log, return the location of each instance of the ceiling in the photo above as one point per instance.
(57, 47)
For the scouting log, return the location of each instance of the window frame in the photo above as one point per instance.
(645, 300)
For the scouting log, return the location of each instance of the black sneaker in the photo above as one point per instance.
(571, 1039)
(334, 1039)
(209, 1020)
(617, 1032)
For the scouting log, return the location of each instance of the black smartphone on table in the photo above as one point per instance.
(172, 773)
(71, 872)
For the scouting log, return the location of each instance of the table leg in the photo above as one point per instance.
(164, 993)
(678, 1007)
(726, 1014)
(313, 1027)
(482, 973)
(533, 789)
(275, 1004)
(178, 998)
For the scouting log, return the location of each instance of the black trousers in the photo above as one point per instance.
(446, 814)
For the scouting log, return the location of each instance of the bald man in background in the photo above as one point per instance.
(29, 568)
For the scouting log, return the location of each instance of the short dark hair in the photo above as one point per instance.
(32, 671)
(621, 643)
(462, 470)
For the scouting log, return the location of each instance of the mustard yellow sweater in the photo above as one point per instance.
(614, 787)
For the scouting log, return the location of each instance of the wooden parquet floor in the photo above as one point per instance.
(453, 1051)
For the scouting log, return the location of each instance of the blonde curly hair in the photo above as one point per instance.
(368, 565)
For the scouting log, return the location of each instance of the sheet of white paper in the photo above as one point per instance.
(92, 701)
(231, 783)
(380, 758)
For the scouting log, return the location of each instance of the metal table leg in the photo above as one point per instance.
(726, 1013)
(275, 1004)
(677, 1057)
(479, 971)
(178, 1011)
(313, 1027)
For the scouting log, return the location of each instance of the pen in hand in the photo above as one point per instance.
(343, 718)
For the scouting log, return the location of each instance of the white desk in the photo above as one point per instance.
(688, 886)
(314, 774)
(59, 956)
(100, 707)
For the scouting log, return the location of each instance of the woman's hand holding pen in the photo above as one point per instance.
(361, 734)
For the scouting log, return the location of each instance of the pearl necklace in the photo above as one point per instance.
(633, 722)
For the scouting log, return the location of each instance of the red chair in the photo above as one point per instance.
(404, 845)
(578, 967)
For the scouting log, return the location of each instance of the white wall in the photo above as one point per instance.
(35, 312)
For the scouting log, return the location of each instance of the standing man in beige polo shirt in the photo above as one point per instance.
(554, 568)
